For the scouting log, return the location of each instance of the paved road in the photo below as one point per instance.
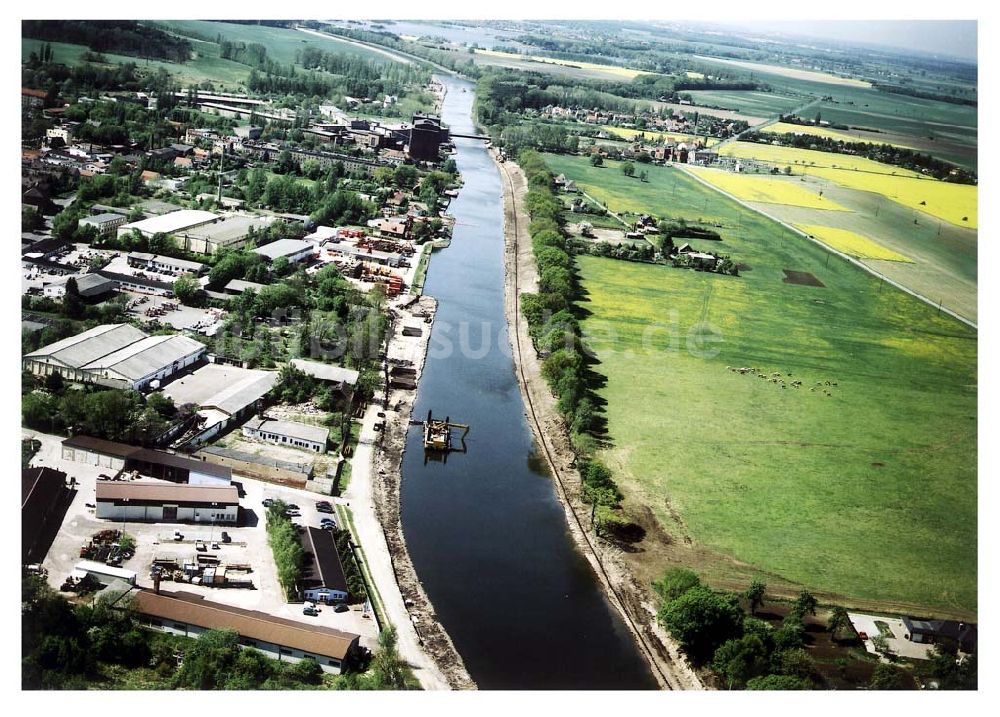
(369, 532)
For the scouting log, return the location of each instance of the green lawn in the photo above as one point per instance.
(869, 492)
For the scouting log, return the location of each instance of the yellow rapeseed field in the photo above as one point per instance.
(809, 158)
(814, 131)
(954, 203)
(656, 136)
(852, 244)
(765, 188)
(593, 66)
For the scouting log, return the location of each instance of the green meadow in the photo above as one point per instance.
(864, 489)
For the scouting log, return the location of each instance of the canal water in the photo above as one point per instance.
(485, 530)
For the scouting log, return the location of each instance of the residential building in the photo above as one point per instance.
(287, 433)
(323, 578)
(285, 640)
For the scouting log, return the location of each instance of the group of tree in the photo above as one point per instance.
(555, 332)
(745, 652)
(50, 406)
(283, 537)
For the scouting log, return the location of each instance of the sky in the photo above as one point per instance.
(956, 38)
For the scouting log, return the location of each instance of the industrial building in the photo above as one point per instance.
(149, 462)
(105, 224)
(117, 356)
(294, 250)
(89, 286)
(145, 501)
(225, 396)
(426, 137)
(287, 433)
(323, 578)
(238, 286)
(44, 498)
(164, 264)
(228, 233)
(343, 379)
(169, 223)
(182, 613)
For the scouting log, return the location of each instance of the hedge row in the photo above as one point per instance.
(555, 332)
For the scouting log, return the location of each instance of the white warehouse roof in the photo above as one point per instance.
(284, 247)
(172, 221)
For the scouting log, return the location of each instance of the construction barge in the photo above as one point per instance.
(438, 434)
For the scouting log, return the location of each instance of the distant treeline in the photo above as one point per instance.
(885, 153)
(123, 37)
(913, 92)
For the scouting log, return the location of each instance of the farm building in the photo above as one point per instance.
(190, 615)
(43, 502)
(323, 578)
(169, 223)
(167, 502)
(287, 433)
(115, 355)
(230, 232)
(294, 250)
(225, 395)
(105, 574)
(148, 462)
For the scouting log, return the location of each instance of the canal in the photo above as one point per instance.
(485, 530)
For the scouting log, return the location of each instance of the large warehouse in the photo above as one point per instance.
(225, 395)
(44, 498)
(115, 355)
(281, 639)
(167, 502)
(148, 462)
(169, 223)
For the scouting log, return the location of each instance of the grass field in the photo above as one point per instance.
(281, 43)
(767, 188)
(758, 104)
(790, 72)
(655, 136)
(205, 66)
(869, 492)
(608, 70)
(852, 243)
